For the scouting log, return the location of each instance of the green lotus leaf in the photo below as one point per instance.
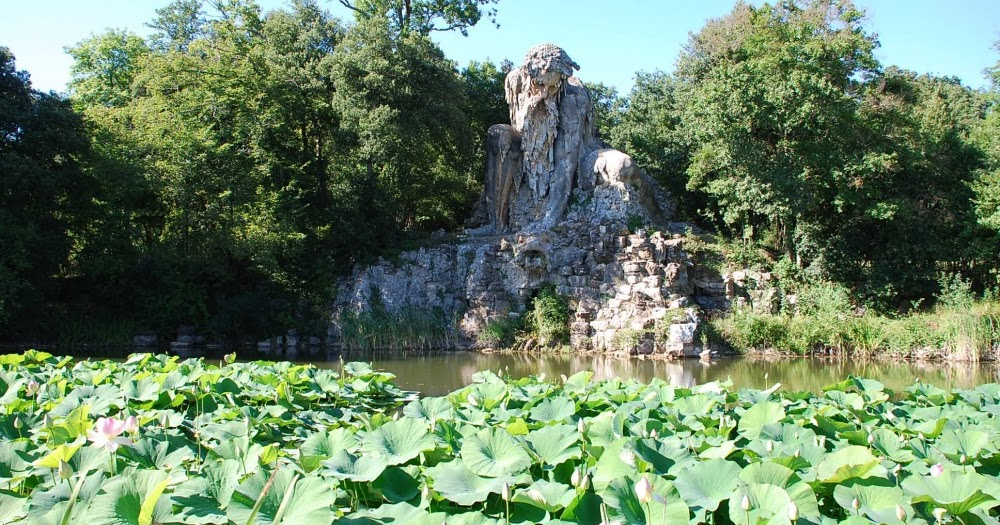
(364, 468)
(962, 441)
(708, 483)
(555, 444)
(455, 482)
(849, 462)
(430, 409)
(578, 382)
(754, 419)
(494, 452)
(290, 499)
(876, 499)
(134, 498)
(768, 504)
(12, 508)
(203, 500)
(325, 444)
(557, 408)
(547, 495)
(610, 465)
(667, 506)
(957, 492)
(397, 442)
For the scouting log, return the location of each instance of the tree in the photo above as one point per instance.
(42, 193)
(767, 104)
(649, 130)
(424, 16)
(104, 67)
(401, 102)
(608, 107)
(178, 24)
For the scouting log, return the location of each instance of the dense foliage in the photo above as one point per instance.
(781, 129)
(238, 162)
(158, 440)
(222, 172)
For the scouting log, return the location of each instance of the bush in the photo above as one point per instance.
(548, 317)
(500, 332)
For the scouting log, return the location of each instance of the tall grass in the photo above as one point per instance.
(406, 329)
(967, 333)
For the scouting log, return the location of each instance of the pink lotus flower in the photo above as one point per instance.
(131, 425)
(937, 470)
(107, 432)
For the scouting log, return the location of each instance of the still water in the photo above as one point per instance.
(440, 373)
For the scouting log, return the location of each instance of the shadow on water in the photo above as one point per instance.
(437, 373)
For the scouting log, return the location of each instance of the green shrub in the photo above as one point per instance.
(548, 317)
(501, 332)
(406, 329)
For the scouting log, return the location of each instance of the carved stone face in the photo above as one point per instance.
(548, 65)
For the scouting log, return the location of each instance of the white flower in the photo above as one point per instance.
(644, 490)
(131, 425)
(32, 387)
(505, 492)
(900, 512)
(745, 503)
(793, 512)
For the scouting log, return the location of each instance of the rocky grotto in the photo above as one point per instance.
(559, 209)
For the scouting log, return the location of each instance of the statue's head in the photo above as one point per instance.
(548, 65)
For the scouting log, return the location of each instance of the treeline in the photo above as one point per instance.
(223, 171)
(781, 130)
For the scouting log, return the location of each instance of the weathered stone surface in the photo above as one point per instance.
(559, 205)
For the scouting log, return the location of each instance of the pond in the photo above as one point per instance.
(440, 373)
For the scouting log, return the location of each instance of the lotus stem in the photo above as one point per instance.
(284, 500)
(260, 498)
(72, 499)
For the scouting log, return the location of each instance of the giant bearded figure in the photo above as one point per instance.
(550, 147)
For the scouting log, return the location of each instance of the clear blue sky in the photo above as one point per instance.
(611, 40)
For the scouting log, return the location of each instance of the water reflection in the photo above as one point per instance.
(440, 373)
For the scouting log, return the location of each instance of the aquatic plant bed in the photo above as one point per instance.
(157, 440)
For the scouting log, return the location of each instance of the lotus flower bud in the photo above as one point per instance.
(937, 469)
(65, 471)
(855, 504)
(164, 419)
(425, 492)
(131, 424)
(505, 492)
(745, 503)
(797, 453)
(644, 490)
(793, 512)
(769, 446)
(871, 439)
(653, 434)
(47, 420)
(580, 426)
(17, 422)
(585, 482)
(900, 512)
(32, 387)
(962, 459)
(939, 514)
(575, 478)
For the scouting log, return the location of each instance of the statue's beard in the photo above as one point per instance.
(539, 127)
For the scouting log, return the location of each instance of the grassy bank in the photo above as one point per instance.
(970, 332)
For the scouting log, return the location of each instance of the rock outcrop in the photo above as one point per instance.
(562, 210)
